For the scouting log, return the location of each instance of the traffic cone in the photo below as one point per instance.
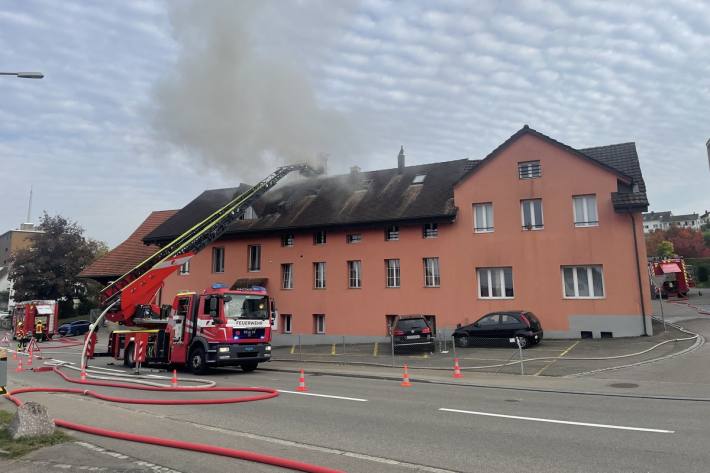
(457, 369)
(14, 355)
(174, 382)
(405, 378)
(83, 374)
(29, 360)
(302, 382)
(19, 366)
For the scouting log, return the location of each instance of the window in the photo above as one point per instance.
(185, 268)
(585, 210)
(217, 260)
(319, 275)
(319, 238)
(483, 218)
(419, 179)
(285, 323)
(318, 323)
(392, 233)
(495, 283)
(489, 321)
(287, 240)
(506, 319)
(392, 268)
(431, 230)
(583, 282)
(254, 252)
(431, 272)
(248, 214)
(287, 276)
(354, 270)
(529, 170)
(531, 211)
(351, 238)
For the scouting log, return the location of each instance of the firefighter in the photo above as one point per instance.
(39, 331)
(21, 336)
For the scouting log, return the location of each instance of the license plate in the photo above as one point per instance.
(412, 337)
(248, 348)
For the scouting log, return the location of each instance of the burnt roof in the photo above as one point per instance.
(357, 198)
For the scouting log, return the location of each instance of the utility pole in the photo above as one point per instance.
(29, 207)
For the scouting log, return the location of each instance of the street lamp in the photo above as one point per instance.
(23, 75)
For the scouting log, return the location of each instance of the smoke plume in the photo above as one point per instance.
(240, 96)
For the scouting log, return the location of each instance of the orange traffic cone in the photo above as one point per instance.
(457, 369)
(174, 382)
(29, 360)
(19, 366)
(405, 378)
(14, 355)
(302, 382)
(83, 374)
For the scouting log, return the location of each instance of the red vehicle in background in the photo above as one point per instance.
(670, 277)
(38, 319)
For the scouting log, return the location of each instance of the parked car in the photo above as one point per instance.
(76, 327)
(413, 332)
(501, 327)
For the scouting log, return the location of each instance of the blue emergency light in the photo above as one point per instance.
(218, 285)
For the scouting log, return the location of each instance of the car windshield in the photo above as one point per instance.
(243, 306)
(409, 324)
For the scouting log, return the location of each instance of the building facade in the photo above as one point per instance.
(11, 242)
(536, 225)
(653, 221)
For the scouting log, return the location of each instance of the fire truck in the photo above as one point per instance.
(30, 313)
(221, 326)
(670, 277)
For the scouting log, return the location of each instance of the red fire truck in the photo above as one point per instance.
(669, 277)
(219, 327)
(27, 316)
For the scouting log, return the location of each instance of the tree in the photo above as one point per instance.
(687, 242)
(653, 239)
(49, 268)
(706, 238)
(664, 249)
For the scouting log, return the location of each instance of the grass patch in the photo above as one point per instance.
(17, 448)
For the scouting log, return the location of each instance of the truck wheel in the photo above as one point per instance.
(197, 360)
(250, 366)
(129, 360)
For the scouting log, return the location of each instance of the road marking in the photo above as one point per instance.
(566, 422)
(323, 395)
(569, 348)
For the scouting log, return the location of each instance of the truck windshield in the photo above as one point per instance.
(242, 306)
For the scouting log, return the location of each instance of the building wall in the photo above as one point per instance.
(11, 242)
(535, 256)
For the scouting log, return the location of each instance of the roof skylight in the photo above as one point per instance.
(419, 178)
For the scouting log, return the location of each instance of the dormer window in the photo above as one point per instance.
(248, 214)
(529, 170)
(419, 178)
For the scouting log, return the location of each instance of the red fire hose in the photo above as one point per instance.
(267, 393)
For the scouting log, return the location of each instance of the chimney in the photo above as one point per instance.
(400, 159)
(354, 171)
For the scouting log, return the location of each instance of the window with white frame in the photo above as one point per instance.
(185, 268)
(319, 275)
(392, 233)
(318, 323)
(287, 276)
(392, 271)
(319, 238)
(529, 170)
(431, 230)
(585, 210)
(254, 252)
(583, 282)
(495, 283)
(531, 213)
(217, 260)
(432, 277)
(285, 323)
(483, 217)
(354, 271)
(287, 240)
(351, 238)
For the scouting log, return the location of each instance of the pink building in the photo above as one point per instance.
(536, 225)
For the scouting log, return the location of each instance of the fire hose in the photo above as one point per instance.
(262, 394)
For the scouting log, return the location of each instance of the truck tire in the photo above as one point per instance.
(249, 366)
(129, 357)
(197, 361)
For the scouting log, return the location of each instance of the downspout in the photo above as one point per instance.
(638, 274)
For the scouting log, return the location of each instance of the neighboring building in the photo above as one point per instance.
(536, 225)
(11, 242)
(705, 218)
(653, 221)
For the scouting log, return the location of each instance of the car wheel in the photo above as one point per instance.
(462, 341)
(524, 342)
(250, 366)
(198, 362)
(129, 357)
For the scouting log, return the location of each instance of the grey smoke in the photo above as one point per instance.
(240, 96)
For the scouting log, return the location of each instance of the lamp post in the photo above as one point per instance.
(24, 75)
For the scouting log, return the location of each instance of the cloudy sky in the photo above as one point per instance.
(145, 104)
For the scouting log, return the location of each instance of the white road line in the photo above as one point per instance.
(323, 395)
(567, 422)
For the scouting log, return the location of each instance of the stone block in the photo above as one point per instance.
(31, 420)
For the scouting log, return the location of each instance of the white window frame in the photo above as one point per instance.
(535, 224)
(488, 273)
(486, 226)
(185, 268)
(287, 240)
(430, 230)
(319, 269)
(317, 235)
(217, 259)
(392, 233)
(590, 281)
(287, 276)
(432, 272)
(254, 258)
(319, 323)
(581, 221)
(353, 238)
(393, 273)
(287, 323)
(355, 274)
(528, 166)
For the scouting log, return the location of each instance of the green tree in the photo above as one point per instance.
(49, 268)
(706, 238)
(664, 249)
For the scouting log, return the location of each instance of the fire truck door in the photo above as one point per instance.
(179, 323)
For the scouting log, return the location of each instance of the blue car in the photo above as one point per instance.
(77, 327)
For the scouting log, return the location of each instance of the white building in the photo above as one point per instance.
(653, 221)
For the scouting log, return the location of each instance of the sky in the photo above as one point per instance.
(145, 104)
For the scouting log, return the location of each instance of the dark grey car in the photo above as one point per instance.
(506, 327)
